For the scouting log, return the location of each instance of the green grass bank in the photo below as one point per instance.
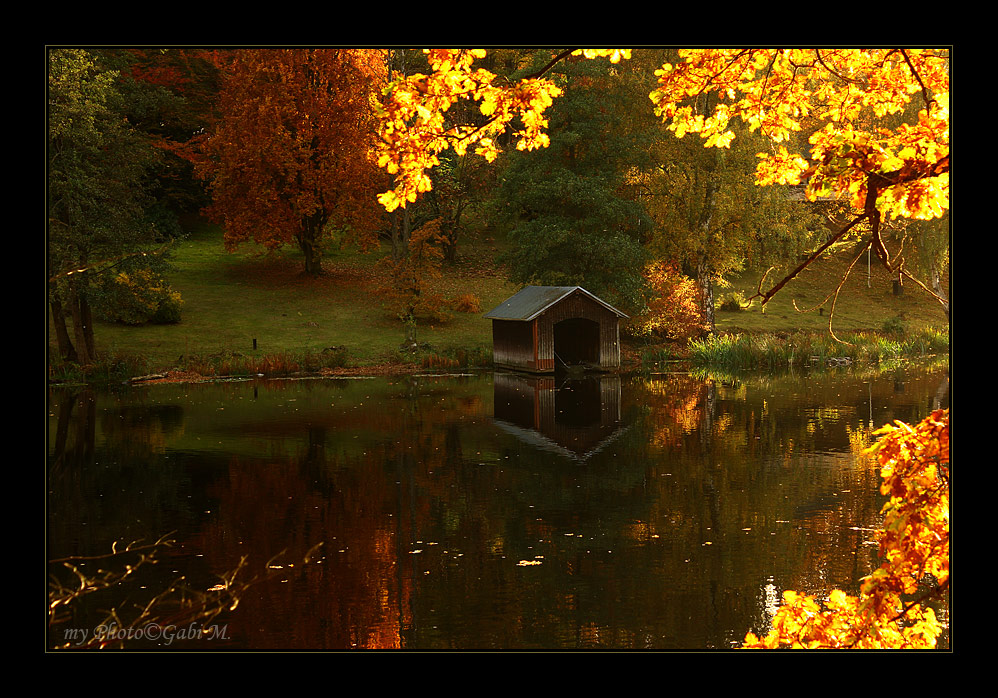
(252, 311)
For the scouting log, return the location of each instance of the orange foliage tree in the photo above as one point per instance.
(291, 151)
(673, 311)
(406, 289)
(414, 128)
(914, 546)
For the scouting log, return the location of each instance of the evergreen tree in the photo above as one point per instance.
(568, 210)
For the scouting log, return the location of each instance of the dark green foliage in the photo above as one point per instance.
(569, 215)
(106, 195)
(97, 164)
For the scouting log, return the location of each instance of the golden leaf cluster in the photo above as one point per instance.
(914, 548)
(782, 92)
(414, 128)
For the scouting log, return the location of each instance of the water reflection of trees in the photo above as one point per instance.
(779, 464)
(666, 538)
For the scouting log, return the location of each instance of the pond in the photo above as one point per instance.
(477, 511)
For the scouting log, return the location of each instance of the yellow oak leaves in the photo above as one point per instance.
(841, 97)
(849, 100)
(914, 547)
(415, 129)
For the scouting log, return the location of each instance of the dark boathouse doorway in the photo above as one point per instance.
(544, 328)
(576, 342)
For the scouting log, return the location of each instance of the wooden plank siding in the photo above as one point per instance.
(514, 343)
(576, 328)
(606, 354)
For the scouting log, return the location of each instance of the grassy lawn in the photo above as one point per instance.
(865, 303)
(230, 299)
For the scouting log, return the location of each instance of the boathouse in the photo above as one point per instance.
(542, 328)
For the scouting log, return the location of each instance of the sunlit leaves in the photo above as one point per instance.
(914, 547)
(414, 128)
(614, 54)
(781, 92)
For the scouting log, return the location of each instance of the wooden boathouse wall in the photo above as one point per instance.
(575, 328)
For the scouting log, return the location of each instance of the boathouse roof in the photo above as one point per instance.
(531, 301)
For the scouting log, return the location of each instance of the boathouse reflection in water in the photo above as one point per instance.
(575, 417)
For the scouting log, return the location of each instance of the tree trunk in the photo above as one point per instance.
(937, 287)
(313, 257)
(400, 235)
(310, 242)
(704, 280)
(66, 349)
(83, 329)
(448, 240)
(706, 286)
(409, 324)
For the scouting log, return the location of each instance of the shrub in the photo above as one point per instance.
(333, 357)
(733, 301)
(673, 311)
(136, 297)
(894, 326)
(467, 303)
(476, 356)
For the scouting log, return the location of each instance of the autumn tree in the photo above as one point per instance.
(843, 98)
(673, 310)
(414, 231)
(289, 155)
(98, 191)
(713, 220)
(414, 130)
(462, 184)
(424, 230)
(707, 217)
(891, 610)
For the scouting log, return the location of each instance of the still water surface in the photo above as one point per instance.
(484, 511)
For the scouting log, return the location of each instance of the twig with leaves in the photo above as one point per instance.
(177, 606)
